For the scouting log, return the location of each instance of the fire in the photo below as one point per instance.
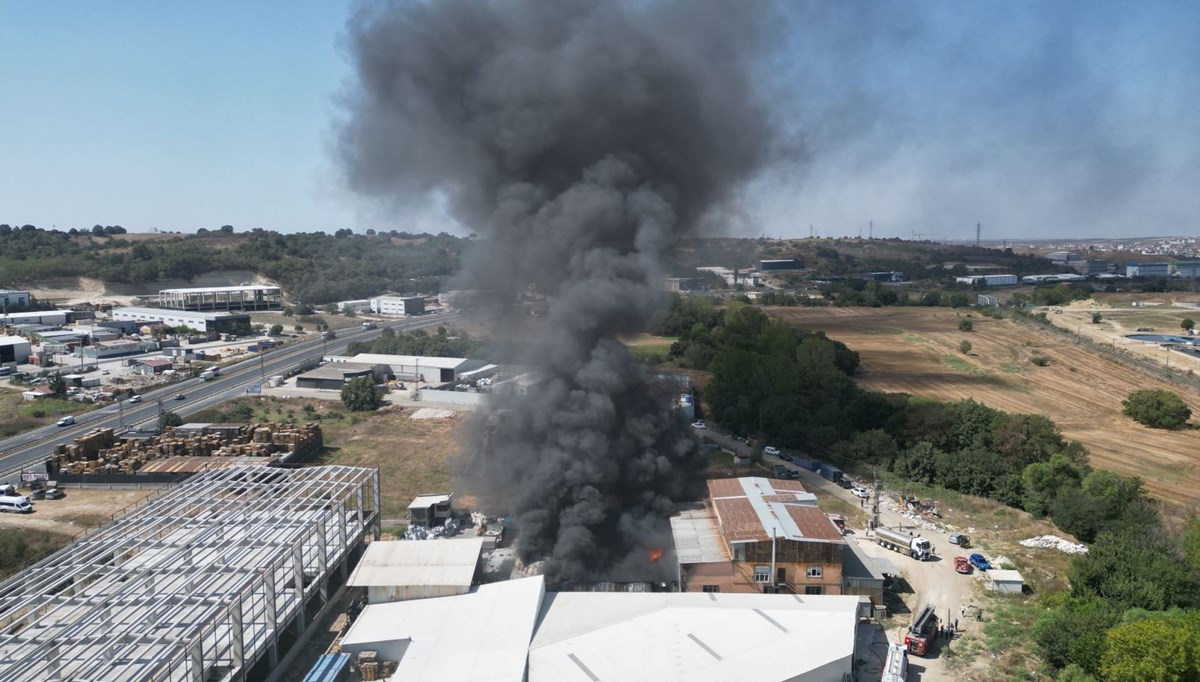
(655, 555)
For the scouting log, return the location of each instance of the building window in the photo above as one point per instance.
(712, 588)
(762, 574)
(813, 589)
(814, 571)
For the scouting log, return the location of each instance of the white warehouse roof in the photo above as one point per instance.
(588, 636)
(244, 287)
(418, 562)
(998, 576)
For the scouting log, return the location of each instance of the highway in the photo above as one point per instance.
(33, 447)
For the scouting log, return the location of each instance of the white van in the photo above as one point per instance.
(15, 504)
(66, 421)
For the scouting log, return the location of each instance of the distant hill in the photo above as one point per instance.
(312, 267)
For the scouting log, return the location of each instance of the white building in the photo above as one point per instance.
(517, 631)
(1007, 582)
(48, 317)
(990, 280)
(204, 322)
(10, 298)
(246, 297)
(427, 369)
(411, 569)
(14, 349)
(398, 306)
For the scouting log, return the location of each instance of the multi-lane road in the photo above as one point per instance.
(33, 447)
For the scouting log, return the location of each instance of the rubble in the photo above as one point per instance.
(1054, 542)
(432, 413)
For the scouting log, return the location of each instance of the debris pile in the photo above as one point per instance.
(432, 413)
(1054, 542)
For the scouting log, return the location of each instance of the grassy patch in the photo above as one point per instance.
(1006, 631)
(18, 415)
(882, 331)
(913, 338)
(962, 365)
(650, 349)
(1012, 368)
(19, 548)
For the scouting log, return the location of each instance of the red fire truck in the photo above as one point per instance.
(921, 631)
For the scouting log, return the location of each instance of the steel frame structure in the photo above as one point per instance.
(197, 585)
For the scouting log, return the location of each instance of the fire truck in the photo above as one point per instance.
(921, 631)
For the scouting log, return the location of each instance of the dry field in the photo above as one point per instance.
(915, 350)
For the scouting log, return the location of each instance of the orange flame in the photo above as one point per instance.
(655, 555)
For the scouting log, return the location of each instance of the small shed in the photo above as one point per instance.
(400, 570)
(1006, 582)
(430, 509)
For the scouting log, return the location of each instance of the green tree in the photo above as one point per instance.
(1075, 673)
(58, 386)
(348, 310)
(167, 419)
(964, 347)
(875, 446)
(330, 309)
(1043, 481)
(1096, 318)
(1074, 634)
(1157, 409)
(276, 330)
(1135, 567)
(966, 326)
(1187, 324)
(1191, 544)
(360, 395)
(1162, 648)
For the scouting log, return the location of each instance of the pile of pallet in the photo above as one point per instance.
(98, 451)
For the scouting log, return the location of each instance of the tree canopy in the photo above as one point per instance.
(1157, 409)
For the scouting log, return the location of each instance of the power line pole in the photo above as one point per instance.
(978, 230)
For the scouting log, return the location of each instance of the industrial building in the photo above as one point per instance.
(1090, 266)
(336, 374)
(1188, 269)
(989, 280)
(424, 368)
(398, 306)
(213, 580)
(1052, 278)
(780, 264)
(11, 298)
(680, 284)
(517, 631)
(413, 569)
(115, 349)
(55, 318)
(14, 349)
(215, 322)
(246, 297)
(1147, 269)
(758, 534)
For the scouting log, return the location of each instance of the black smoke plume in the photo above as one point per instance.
(580, 140)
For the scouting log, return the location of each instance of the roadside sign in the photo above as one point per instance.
(254, 389)
(34, 476)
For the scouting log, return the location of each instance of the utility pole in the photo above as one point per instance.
(871, 230)
(873, 522)
(978, 230)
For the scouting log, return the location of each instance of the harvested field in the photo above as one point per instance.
(916, 350)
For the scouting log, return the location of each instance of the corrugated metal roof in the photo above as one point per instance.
(697, 537)
(1001, 576)
(423, 501)
(753, 509)
(418, 562)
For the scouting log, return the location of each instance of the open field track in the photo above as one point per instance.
(915, 350)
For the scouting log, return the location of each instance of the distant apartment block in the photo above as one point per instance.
(249, 297)
(780, 264)
(1147, 269)
(11, 298)
(398, 306)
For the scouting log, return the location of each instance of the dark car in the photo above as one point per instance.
(181, 397)
(781, 471)
(793, 473)
(785, 456)
(960, 540)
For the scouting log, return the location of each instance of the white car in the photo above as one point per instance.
(771, 450)
(135, 400)
(861, 492)
(700, 424)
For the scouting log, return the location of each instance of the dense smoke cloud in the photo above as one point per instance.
(580, 140)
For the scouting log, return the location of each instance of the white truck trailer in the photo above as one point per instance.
(916, 546)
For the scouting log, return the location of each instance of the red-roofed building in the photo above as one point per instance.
(756, 535)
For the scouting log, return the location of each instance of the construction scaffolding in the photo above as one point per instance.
(214, 580)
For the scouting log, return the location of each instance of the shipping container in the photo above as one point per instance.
(804, 463)
(831, 472)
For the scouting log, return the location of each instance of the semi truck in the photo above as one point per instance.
(916, 547)
(209, 374)
(920, 631)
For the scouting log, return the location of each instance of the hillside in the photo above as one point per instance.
(312, 267)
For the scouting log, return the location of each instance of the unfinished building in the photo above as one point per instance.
(216, 579)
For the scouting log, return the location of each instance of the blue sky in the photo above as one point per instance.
(1034, 118)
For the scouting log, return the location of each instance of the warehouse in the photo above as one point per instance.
(115, 349)
(1147, 269)
(14, 349)
(989, 280)
(211, 580)
(518, 631)
(335, 375)
(412, 569)
(426, 368)
(230, 323)
(11, 298)
(248, 297)
(398, 306)
(780, 264)
(51, 317)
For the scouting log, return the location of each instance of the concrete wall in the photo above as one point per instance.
(429, 395)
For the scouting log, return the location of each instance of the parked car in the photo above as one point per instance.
(771, 450)
(181, 397)
(135, 400)
(700, 424)
(962, 565)
(861, 492)
(66, 421)
(793, 473)
(784, 456)
(105, 372)
(960, 540)
(845, 483)
(780, 471)
(980, 561)
(55, 494)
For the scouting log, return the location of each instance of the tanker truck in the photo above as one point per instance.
(915, 546)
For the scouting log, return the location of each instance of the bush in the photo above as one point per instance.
(1187, 323)
(1157, 409)
(964, 347)
(167, 419)
(1096, 317)
(1040, 360)
(276, 330)
(966, 326)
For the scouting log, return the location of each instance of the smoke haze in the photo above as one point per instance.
(580, 140)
